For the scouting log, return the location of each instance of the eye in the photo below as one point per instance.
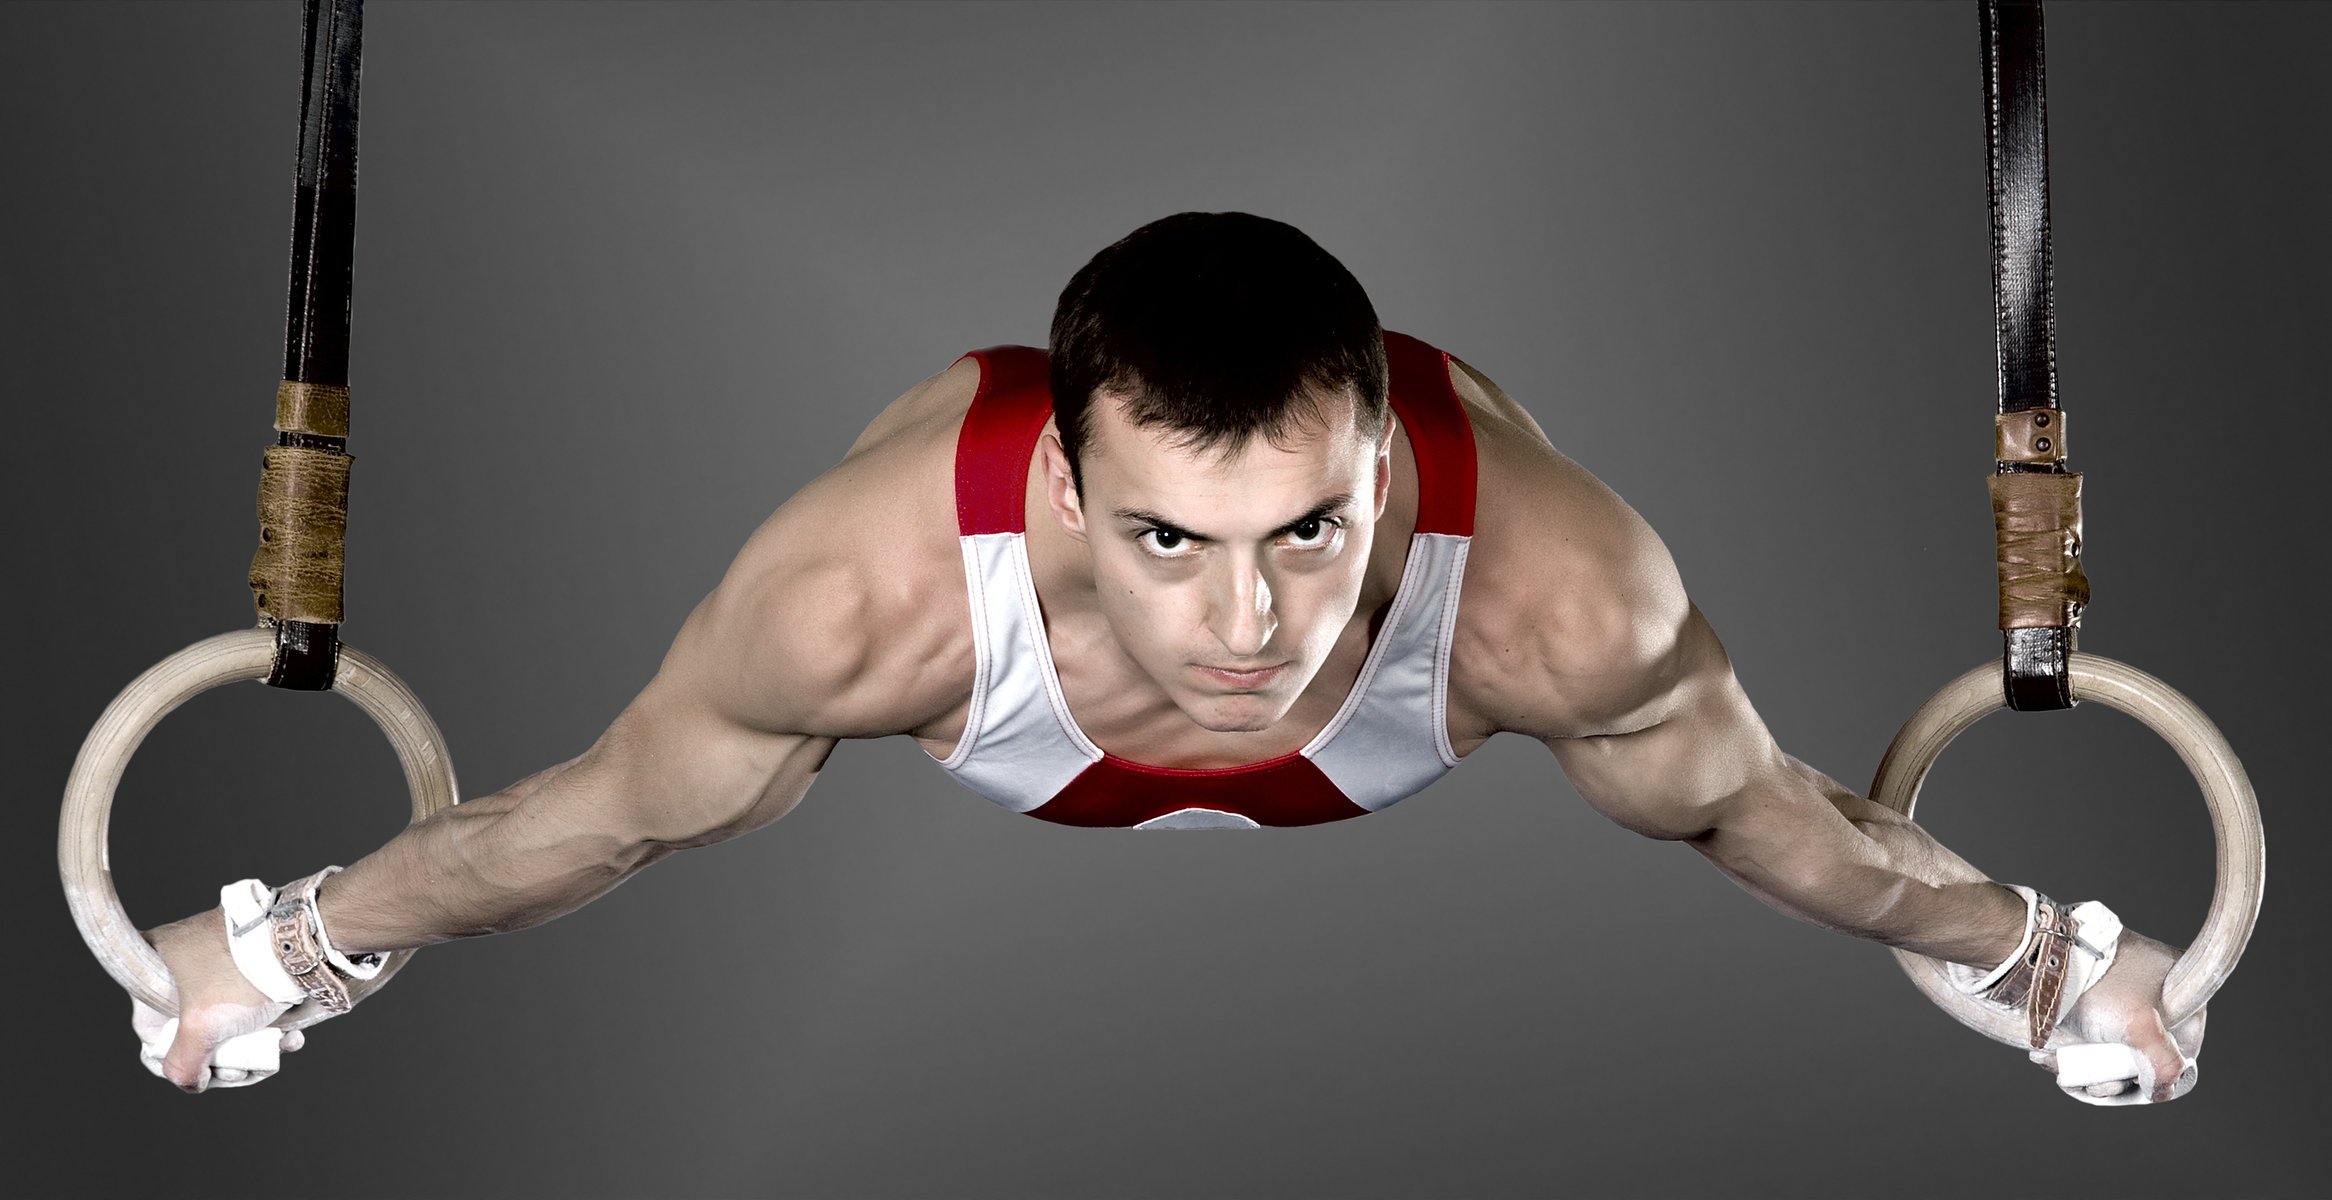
(1164, 543)
(1312, 534)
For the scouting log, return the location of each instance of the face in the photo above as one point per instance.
(1227, 576)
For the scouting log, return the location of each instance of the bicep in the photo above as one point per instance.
(699, 755)
(678, 774)
(1700, 743)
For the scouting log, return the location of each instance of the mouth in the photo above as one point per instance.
(1242, 681)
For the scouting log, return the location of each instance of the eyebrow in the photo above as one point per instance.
(1151, 520)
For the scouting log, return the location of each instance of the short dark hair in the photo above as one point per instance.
(1219, 326)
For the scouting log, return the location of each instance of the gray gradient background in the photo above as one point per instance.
(629, 276)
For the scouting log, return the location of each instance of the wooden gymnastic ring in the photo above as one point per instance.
(2234, 812)
(82, 857)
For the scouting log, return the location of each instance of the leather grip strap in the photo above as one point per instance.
(303, 529)
(319, 410)
(2036, 982)
(2036, 525)
(2042, 588)
(292, 928)
(296, 573)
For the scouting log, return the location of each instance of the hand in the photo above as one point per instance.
(218, 1038)
(2122, 1012)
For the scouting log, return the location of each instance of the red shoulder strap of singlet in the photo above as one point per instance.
(1000, 431)
(1439, 433)
(1015, 400)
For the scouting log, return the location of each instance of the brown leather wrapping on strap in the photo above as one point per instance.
(303, 527)
(317, 408)
(2036, 521)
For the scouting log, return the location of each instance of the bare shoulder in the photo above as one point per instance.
(845, 613)
(1572, 608)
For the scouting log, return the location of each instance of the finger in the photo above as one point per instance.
(147, 1022)
(2068, 1075)
(151, 1048)
(2107, 1065)
(155, 1041)
(293, 1039)
(259, 1052)
(2106, 1073)
(2188, 1033)
(229, 1076)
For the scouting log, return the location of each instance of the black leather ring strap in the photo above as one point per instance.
(2016, 126)
(323, 252)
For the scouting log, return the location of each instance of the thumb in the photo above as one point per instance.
(152, 1025)
(2188, 1033)
(2169, 1071)
(187, 1062)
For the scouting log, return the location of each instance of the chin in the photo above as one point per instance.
(1245, 713)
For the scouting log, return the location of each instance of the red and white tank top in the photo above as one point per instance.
(1022, 748)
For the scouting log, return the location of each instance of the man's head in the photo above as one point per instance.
(1217, 327)
(1219, 386)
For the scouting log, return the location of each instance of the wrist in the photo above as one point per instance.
(281, 946)
(359, 966)
(2065, 950)
(1975, 981)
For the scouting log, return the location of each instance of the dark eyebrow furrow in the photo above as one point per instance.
(1144, 517)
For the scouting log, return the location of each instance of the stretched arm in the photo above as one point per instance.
(800, 645)
(819, 630)
(1696, 764)
(1587, 641)
(1576, 630)
(673, 771)
(1700, 767)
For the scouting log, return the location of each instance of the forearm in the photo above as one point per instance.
(1809, 847)
(507, 861)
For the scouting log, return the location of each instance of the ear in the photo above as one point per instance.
(1384, 480)
(1060, 487)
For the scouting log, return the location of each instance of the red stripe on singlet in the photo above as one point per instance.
(1116, 794)
(1439, 433)
(999, 435)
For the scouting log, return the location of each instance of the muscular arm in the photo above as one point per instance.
(1701, 768)
(1575, 629)
(837, 619)
(671, 772)
(797, 647)
(1583, 637)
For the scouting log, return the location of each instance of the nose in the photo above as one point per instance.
(1242, 619)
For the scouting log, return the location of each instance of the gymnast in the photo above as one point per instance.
(1225, 555)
